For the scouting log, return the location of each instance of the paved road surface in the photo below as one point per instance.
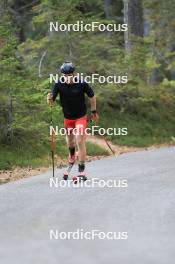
(29, 209)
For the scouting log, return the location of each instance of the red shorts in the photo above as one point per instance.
(77, 125)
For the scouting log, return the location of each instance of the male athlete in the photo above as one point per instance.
(72, 98)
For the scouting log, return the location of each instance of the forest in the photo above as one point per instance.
(31, 50)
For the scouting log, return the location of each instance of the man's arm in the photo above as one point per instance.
(90, 93)
(52, 95)
(94, 114)
(93, 103)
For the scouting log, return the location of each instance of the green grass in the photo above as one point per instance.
(141, 132)
(33, 150)
(38, 154)
(95, 150)
(29, 153)
(21, 156)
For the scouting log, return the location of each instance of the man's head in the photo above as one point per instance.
(67, 69)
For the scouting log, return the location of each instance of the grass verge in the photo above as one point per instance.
(38, 154)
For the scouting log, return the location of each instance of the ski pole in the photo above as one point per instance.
(107, 143)
(109, 146)
(52, 142)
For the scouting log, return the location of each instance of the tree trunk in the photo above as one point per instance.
(9, 135)
(133, 38)
(106, 8)
(126, 33)
(135, 17)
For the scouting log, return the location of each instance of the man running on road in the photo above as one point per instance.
(72, 98)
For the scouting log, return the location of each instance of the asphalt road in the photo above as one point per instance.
(145, 209)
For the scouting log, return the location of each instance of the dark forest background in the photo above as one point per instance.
(29, 53)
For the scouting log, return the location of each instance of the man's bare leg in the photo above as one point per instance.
(70, 139)
(80, 139)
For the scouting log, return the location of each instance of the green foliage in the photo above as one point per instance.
(27, 46)
(147, 113)
(95, 150)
